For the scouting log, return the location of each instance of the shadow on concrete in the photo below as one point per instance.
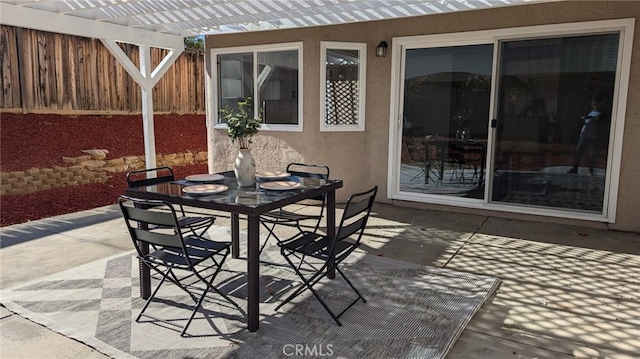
(21, 233)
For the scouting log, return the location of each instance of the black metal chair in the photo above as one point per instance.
(198, 225)
(182, 260)
(287, 218)
(331, 251)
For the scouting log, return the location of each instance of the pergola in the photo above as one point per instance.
(164, 23)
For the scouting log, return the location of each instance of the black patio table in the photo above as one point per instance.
(466, 148)
(250, 201)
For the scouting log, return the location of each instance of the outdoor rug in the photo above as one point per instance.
(412, 311)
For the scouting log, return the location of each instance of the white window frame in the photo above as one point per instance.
(254, 50)
(626, 29)
(361, 47)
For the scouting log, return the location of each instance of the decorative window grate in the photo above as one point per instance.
(342, 102)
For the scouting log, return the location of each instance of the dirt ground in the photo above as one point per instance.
(41, 140)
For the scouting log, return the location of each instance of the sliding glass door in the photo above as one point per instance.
(445, 120)
(524, 123)
(554, 121)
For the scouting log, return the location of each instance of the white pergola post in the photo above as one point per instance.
(147, 78)
(147, 108)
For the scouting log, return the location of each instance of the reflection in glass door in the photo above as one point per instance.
(554, 121)
(446, 97)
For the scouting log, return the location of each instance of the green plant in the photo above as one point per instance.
(241, 125)
(194, 42)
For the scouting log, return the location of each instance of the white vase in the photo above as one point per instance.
(245, 168)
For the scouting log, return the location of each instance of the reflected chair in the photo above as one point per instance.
(198, 225)
(423, 155)
(190, 262)
(309, 247)
(463, 155)
(283, 217)
(472, 154)
(457, 161)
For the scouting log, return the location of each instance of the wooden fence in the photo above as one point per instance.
(45, 72)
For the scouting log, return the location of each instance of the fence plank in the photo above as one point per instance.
(44, 98)
(60, 73)
(8, 70)
(72, 75)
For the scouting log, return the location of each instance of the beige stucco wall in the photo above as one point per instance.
(360, 158)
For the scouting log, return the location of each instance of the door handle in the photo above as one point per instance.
(494, 123)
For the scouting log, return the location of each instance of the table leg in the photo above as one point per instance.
(235, 235)
(331, 225)
(253, 273)
(145, 273)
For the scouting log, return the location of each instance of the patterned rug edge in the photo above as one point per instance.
(109, 350)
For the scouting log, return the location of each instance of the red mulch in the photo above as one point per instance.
(40, 141)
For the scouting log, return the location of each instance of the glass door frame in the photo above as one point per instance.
(624, 27)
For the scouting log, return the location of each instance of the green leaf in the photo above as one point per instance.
(240, 124)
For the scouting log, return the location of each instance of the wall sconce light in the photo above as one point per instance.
(381, 49)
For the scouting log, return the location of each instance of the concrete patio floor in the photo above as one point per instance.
(567, 291)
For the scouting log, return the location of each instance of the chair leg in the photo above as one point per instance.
(198, 305)
(326, 306)
(270, 231)
(192, 229)
(164, 277)
(209, 287)
(203, 230)
(206, 229)
(309, 283)
(214, 275)
(360, 296)
(171, 276)
(296, 267)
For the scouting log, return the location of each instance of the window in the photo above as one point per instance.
(269, 76)
(343, 70)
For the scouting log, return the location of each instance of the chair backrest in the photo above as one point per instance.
(157, 228)
(308, 170)
(150, 176)
(355, 215)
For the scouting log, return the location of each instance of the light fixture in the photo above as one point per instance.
(381, 49)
